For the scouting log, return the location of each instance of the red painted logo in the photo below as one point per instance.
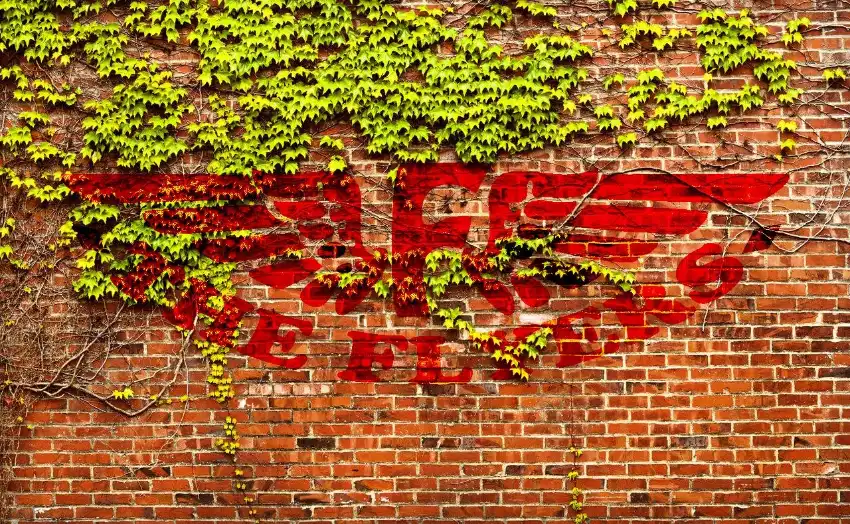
(613, 219)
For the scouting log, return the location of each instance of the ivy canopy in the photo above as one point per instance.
(264, 74)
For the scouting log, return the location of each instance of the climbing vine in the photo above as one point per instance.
(245, 88)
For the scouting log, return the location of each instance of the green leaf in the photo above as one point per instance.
(332, 143)
(715, 122)
(834, 74)
(654, 124)
(610, 80)
(336, 164)
(627, 139)
(787, 126)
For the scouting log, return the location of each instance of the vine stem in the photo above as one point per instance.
(52, 389)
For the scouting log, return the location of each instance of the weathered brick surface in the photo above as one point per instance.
(741, 414)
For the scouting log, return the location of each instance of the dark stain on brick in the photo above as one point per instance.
(440, 442)
(157, 471)
(514, 469)
(751, 512)
(132, 349)
(631, 387)
(312, 498)
(480, 442)
(195, 498)
(316, 443)
(439, 390)
(559, 469)
(639, 498)
(698, 442)
(837, 372)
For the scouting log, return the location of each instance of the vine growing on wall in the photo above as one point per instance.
(273, 86)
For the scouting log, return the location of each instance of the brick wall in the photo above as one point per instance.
(741, 413)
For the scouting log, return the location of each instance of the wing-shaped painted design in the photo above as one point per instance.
(613, 219)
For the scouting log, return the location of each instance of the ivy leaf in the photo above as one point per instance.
(336, 164)
(608, 124)
(610, 80)
(715, 122)
(647, 77)
(834, 74)
(332, 143)
(635, 115)
(789, 96)
(623, 7)
(627, 139)
(654, 124)
(34, 118)
(662, 43)
(603, 111)
(125, 394)
(787, 126)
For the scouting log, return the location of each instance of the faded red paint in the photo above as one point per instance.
(600, 217)
(365, 354)
(267, 334)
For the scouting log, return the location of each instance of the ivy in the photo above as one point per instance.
(717, 121)
(124, 394)
(535, 8)
(792, 31)
(623, 7)
(627, 139)
(787, 126)
(729, 42)
(834, 75)
(616, 78)
(137, 122)
(230, 443)
(448, 269)
(641, 28)
(788, 145)
(6, 250)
